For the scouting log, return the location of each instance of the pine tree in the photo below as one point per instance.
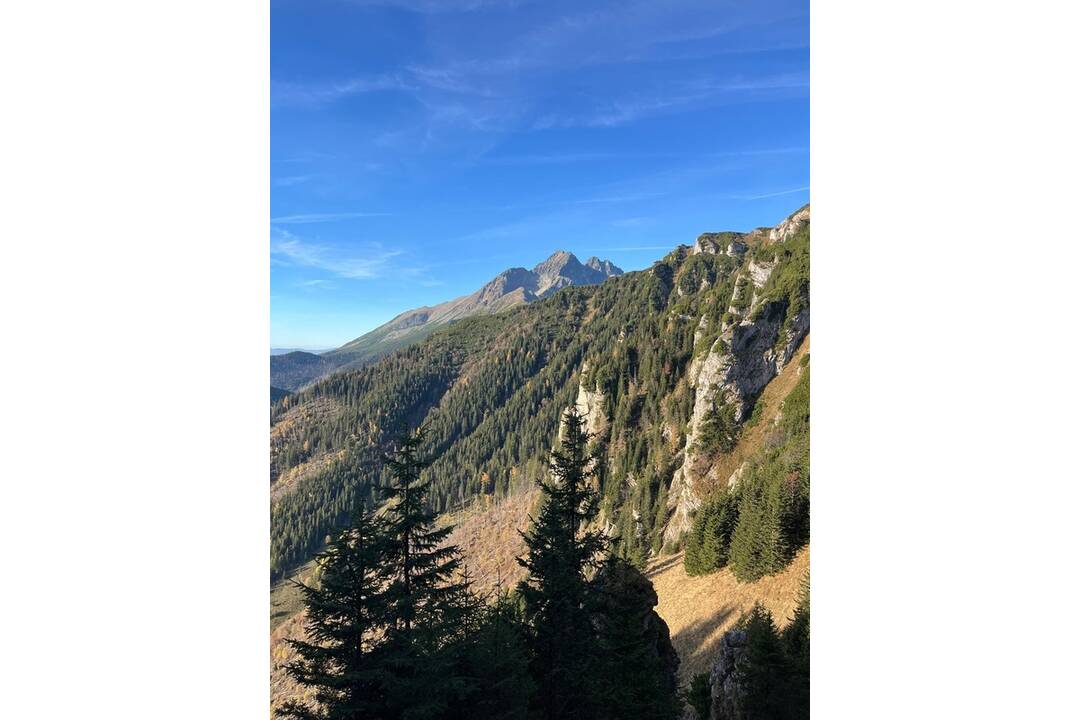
(719, 431)
(561, 555)
(345, 613)
(796, 637)
(708, 545)
(427, 609)
(766, 675)
(494, 657)
(757, 543)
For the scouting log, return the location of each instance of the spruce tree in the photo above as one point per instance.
(562, 553)
(796, 637)
(757, 543)
(766, 677)
(346, 612)
(708, 545)
(427, 608)
(494, 657)
(636, 676)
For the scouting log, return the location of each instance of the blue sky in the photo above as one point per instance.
(419, 147)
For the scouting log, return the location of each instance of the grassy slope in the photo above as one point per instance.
(699, 610)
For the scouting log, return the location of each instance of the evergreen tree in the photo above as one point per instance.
(718, 432)
(757, 544)
(561, 555)
(495, 658)
(428, 611)
(766, 676)
(636, 676)
(796, 637)
(346, 611)
(699, 695)
(708, 545)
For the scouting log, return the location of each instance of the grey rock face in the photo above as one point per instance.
(724, 678)
(753, 348)
(590, 404)
(790, 226)
(718, 243)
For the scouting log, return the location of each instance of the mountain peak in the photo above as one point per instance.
(556, 262)
(607, 267)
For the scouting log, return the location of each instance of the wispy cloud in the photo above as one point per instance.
(693, 95)
(357, 263)
(778, 193)
(612, 199)
(439, 7)
(320, 93)
(291, 180)
(308, 218)
(630, 248)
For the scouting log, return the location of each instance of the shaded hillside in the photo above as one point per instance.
(651, 357)
(292, 370)
(276, 394)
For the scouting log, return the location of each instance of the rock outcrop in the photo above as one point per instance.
(590, 405)
(624, 591)
(724, 686)
(754, 345)
(790, 226)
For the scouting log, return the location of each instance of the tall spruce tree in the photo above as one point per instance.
(346, 612)
(708, 544)
(562, 553)
(427, 607)
(767, 676)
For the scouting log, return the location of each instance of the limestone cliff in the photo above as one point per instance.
(756, 341)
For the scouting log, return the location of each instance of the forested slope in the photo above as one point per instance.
(667, 363)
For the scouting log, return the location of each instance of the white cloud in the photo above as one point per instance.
(371, 261)
(308, 218)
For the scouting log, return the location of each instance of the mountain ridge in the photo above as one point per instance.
(511, 287)
(668, 364)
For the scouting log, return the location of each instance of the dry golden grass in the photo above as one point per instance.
(487, 534)
(699, 610)
(282, 687)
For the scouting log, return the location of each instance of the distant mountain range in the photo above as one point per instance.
(512, 287)
(285, 351)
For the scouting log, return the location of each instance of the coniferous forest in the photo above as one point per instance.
(490, 389)
(629, 404)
